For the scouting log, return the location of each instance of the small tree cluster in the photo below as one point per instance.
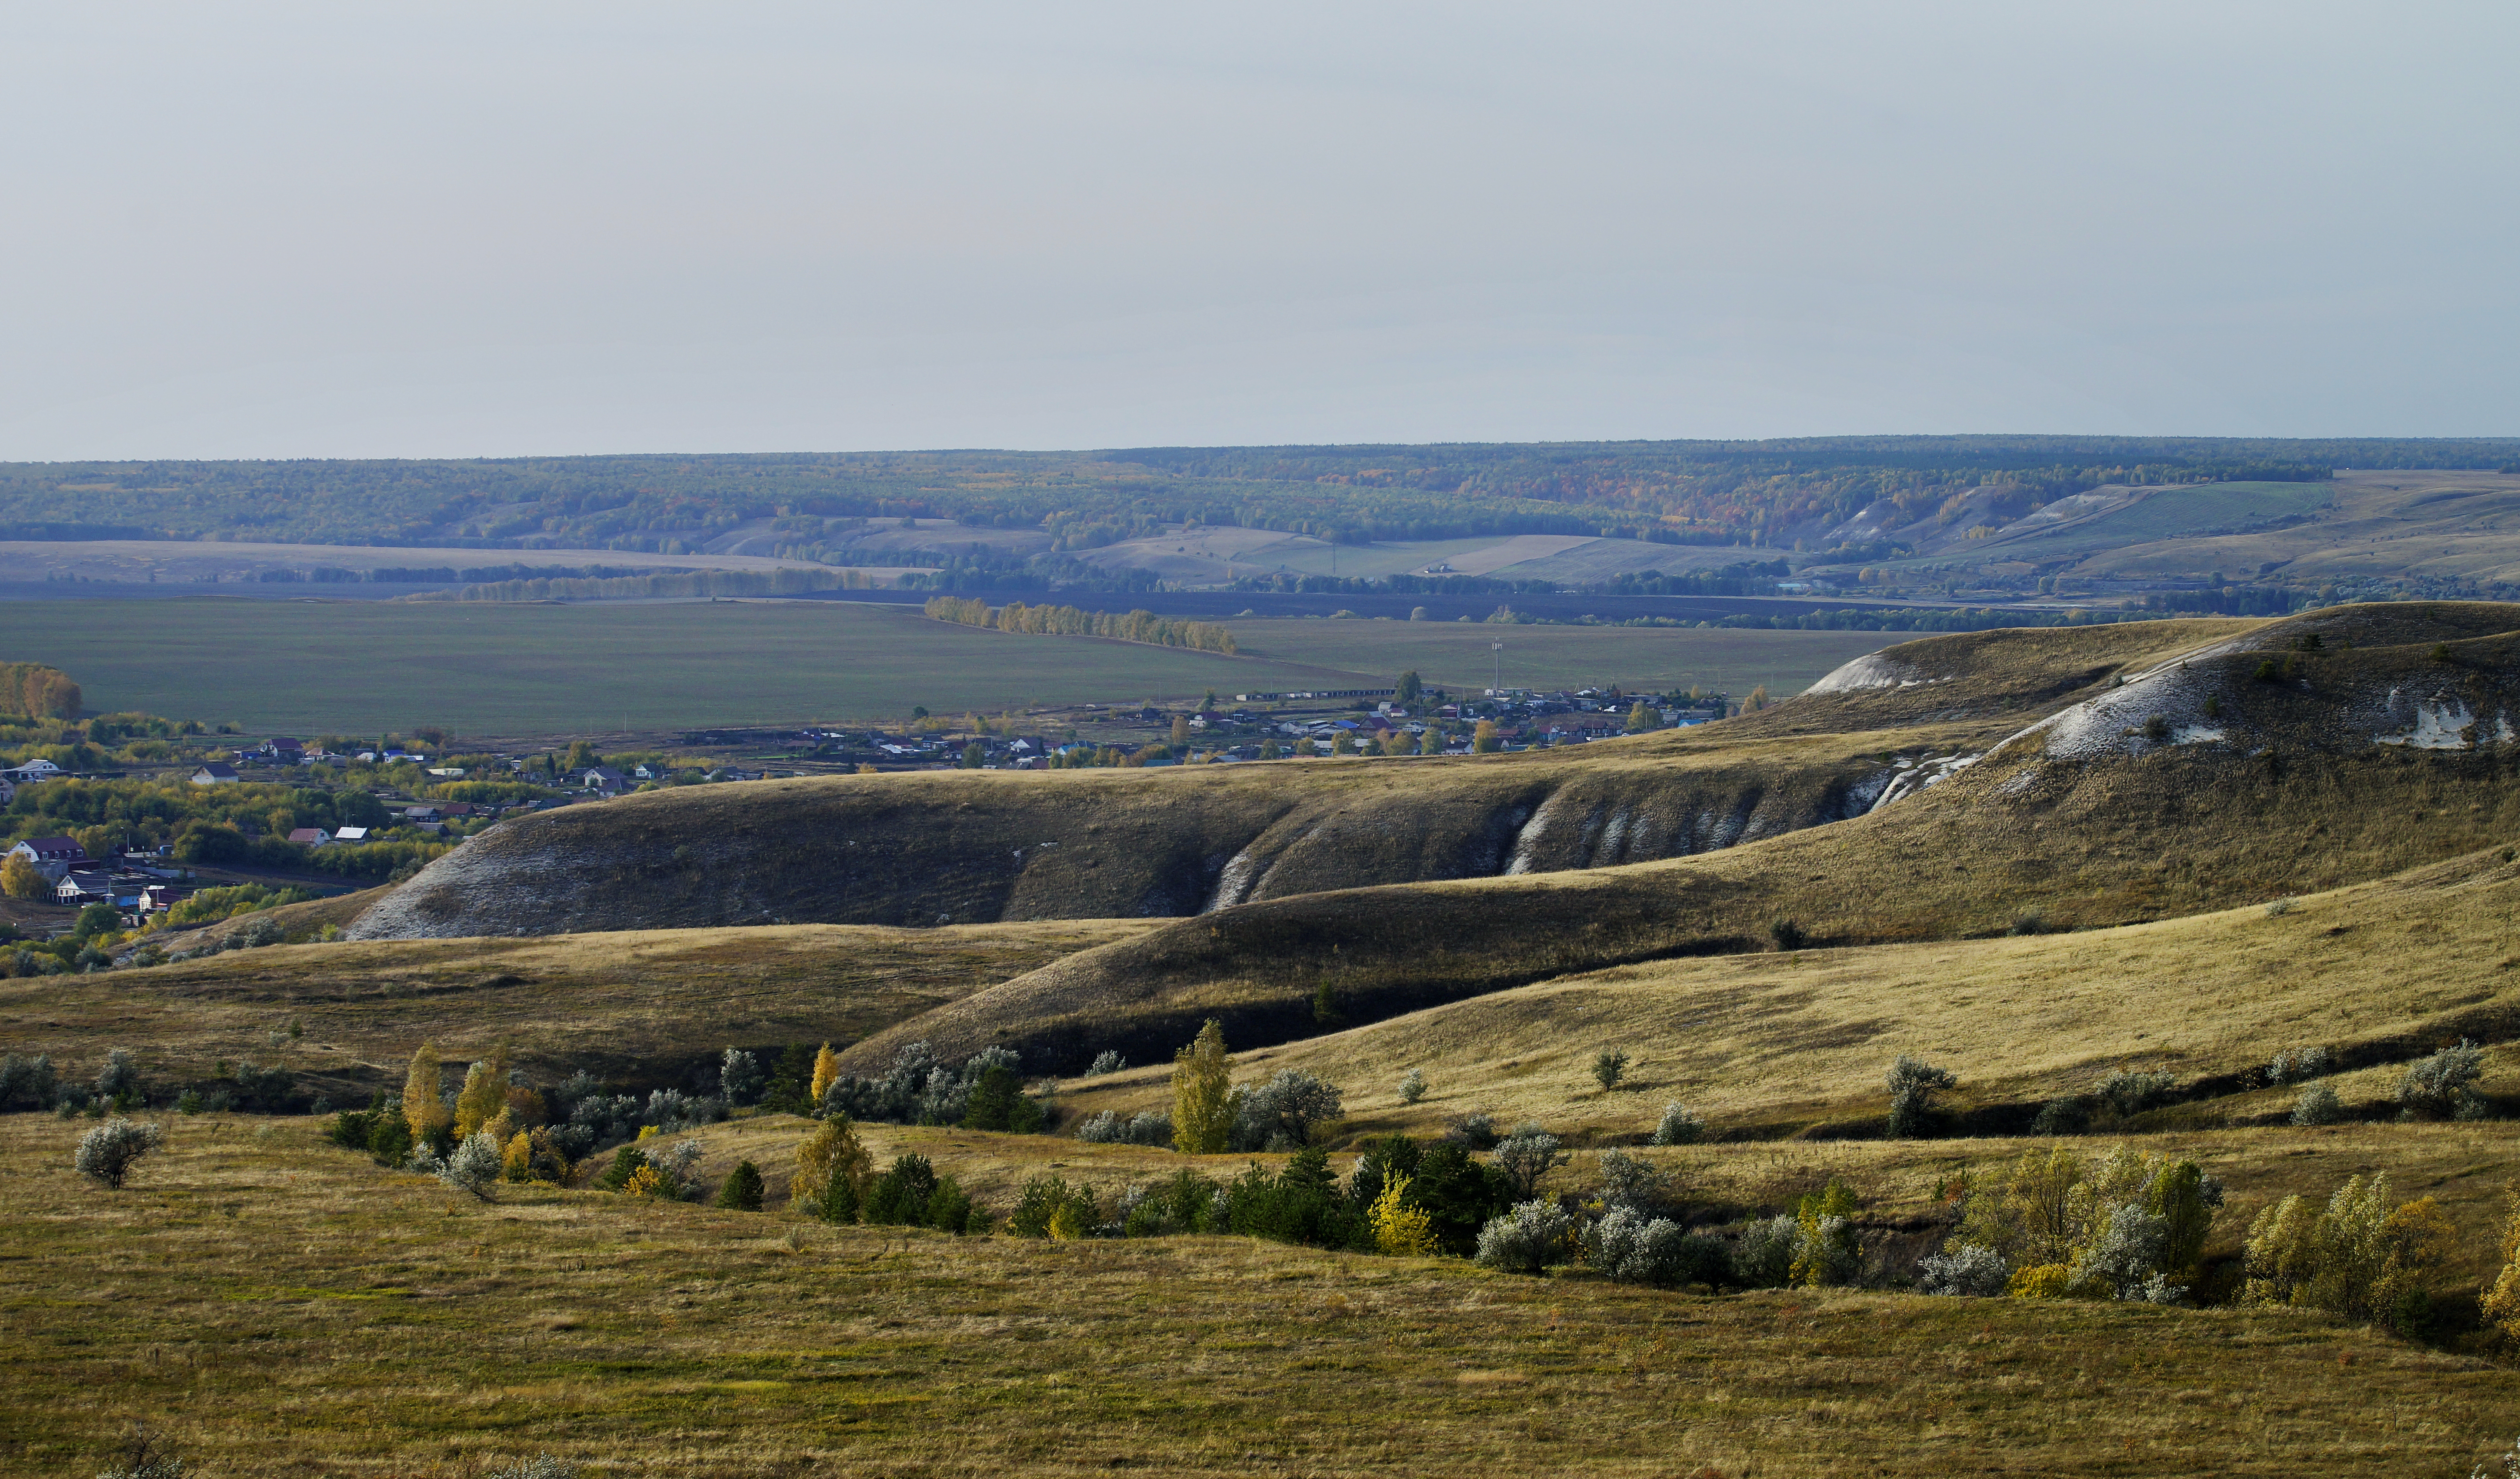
(910, 1193)
(833, 1172)
(1109, 1060)
(2126, 1226)
(2500, 1304)
(1202, 1094)
(26, 1082)
(1530, 1237)
(919, 1088)
(1282, 1113)
(1526, 1156)
(1051, 1208)
(2357, 1257)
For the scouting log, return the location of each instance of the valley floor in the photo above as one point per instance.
(271, 1305)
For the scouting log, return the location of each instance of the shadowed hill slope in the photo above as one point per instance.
(1779, 1044)
(964, 847)
(2224, 777)
(641, 1010)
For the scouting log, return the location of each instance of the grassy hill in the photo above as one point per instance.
(639, 1008)
(271, 1306)
(2222, 776)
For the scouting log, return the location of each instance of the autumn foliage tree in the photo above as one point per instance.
(485, 1092)
(1202, 1095)
(422, 1108)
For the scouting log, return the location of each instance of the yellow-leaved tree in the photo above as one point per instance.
(2501, 1302)
(20, 879)
(827, 1068)
(485, 1092)
(421, 1109)
(832, 1172)
(1202, 1094)
(1399, 1228)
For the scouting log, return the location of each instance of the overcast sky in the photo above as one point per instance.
(245, 230)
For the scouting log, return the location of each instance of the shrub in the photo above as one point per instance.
(540, 1466)
(2277, 909)
(2317, 1105)
(1413, 1087)
(1787, 934)
(1631, 1248)
(1631, 1181)
(25, 1081)
(388, 1142)
(2131, 1093)
(1764, 1258)
(1051, 1208)
(475, 1166)
(671, 1111)
(672, 1169)
(1610, 1066)
(2041, 1282)
(2300, 1066)
(1282, 1113)
(742, 1192)
(1109, 1060)
(739, 1077)
(1913, 1084)
(190, 1102)
(1972, 1270)
(1527, 1240)
(1399, 1228)
(2128, 1250)
(1526, 1156)
(107, 1153)
(2065, 1114)
(2443, 1086)
(1826, 1249)
(119, 1079)
(1474, 1132)
(1678, 1126)
(141, 1458)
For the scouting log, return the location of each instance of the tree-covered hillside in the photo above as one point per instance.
(1696, 492)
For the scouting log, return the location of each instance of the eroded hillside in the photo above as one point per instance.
(2254, 766)
(963, 848)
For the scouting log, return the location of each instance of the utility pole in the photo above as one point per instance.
(1496, 668)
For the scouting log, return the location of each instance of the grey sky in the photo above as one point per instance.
(329, 230)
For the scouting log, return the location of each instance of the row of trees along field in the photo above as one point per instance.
(1715, 492)
(1069, 621)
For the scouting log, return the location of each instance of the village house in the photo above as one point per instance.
(52, 856)
(216, 773)
(281, 750)
(351, 834)
(38, 769)
(605, 778)
(310, 836)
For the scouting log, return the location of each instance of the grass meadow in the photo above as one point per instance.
(270, 1305)
(519, 670)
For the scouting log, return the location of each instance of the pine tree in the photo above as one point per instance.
(742, 1190)
(485, 1092)
(1202, 1094)
(827, 1068)
(422, 1108)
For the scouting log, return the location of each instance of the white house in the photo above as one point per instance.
(38, 769)
(310, 836)
(216, 773)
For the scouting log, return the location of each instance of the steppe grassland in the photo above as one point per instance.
(1797, 1043)
(1641, 659)
(612, 1004)
(272, 1305)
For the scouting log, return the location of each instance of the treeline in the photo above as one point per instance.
(1069, 621)
(692, 583)
(452, 574)
(32, 691)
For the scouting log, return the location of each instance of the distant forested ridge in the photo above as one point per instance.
(1677, 492)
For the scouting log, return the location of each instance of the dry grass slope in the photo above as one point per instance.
(636, 1009)
(275, 1307)
(2271, 787)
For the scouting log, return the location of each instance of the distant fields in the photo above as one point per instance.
(500, 670)
(1457, 654)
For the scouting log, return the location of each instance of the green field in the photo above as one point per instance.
(1659, 658)
(353, 666)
